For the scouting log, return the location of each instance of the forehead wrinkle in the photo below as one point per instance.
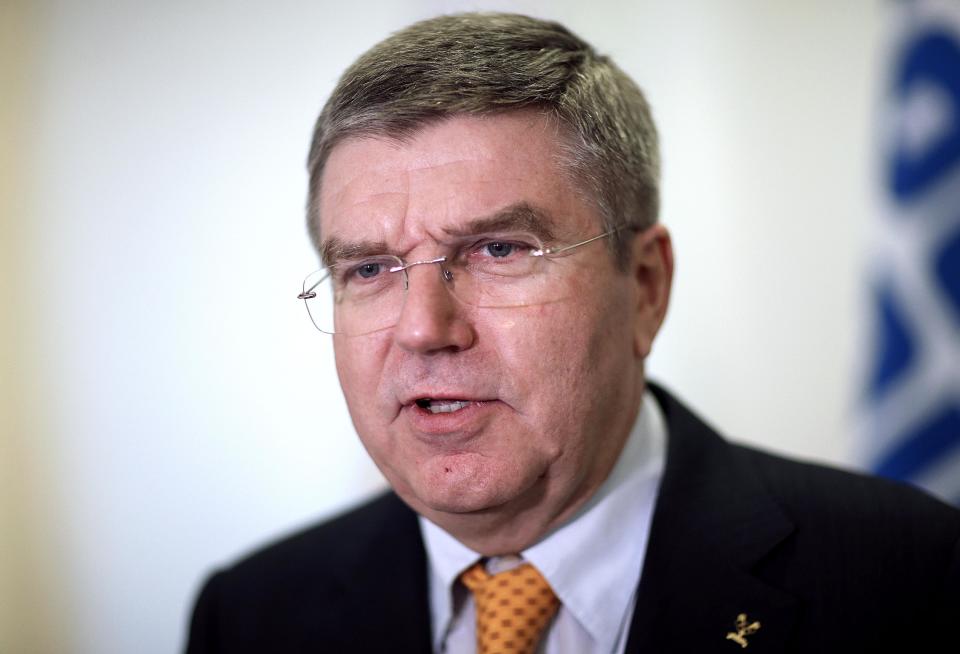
(345, 198)
(424, 163)
(473, 168)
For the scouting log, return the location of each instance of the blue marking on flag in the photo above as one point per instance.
(925, 445)
(947, 271)
(933, 58)
(895, 349)
(922, 183)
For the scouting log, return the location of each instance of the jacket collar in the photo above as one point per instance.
(713, 522)
(381, 598)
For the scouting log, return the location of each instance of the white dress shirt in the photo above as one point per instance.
(593, 562)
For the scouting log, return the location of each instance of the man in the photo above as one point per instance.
(483, 195)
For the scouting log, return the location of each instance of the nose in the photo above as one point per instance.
(432, 320)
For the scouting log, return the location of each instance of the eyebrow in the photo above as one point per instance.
(334, 249)
(521, 216)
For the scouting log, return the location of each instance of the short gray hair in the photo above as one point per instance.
(487, 63)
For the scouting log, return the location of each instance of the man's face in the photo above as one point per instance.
(542, 396)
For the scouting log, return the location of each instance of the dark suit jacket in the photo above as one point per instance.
(825, 561)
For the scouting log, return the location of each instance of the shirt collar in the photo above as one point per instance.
(447, 558)
(593, 561)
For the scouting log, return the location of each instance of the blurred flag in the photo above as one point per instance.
(913, 388)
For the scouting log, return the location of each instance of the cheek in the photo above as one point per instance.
(567, 352)
(546, 353)
(360, 369)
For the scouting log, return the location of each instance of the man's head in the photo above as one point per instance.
(495, 422)
(485, 64)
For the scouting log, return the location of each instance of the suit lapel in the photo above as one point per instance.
(384, 605)
(713, 522)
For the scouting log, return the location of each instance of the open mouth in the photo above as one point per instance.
(442, 406)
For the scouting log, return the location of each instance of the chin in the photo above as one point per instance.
(464, 483)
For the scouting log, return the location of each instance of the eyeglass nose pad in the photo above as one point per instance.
(447, 274)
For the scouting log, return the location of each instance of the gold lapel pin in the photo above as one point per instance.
(743, 630)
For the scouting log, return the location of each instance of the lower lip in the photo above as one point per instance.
(463, 422)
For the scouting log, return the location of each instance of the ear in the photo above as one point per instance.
(651, 268)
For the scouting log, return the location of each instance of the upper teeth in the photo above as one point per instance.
(445, 406)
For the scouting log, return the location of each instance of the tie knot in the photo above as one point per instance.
(513, 608)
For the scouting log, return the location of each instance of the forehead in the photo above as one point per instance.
(448, 174)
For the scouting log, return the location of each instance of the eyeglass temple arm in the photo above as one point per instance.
(308, 293)
(550, 251)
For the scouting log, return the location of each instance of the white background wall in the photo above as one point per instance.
(166, 404)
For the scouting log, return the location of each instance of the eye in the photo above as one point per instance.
(499, 258)
(499, 249)
(364, 272)
(369, 269)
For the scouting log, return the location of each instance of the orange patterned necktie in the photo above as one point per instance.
(513, 608)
